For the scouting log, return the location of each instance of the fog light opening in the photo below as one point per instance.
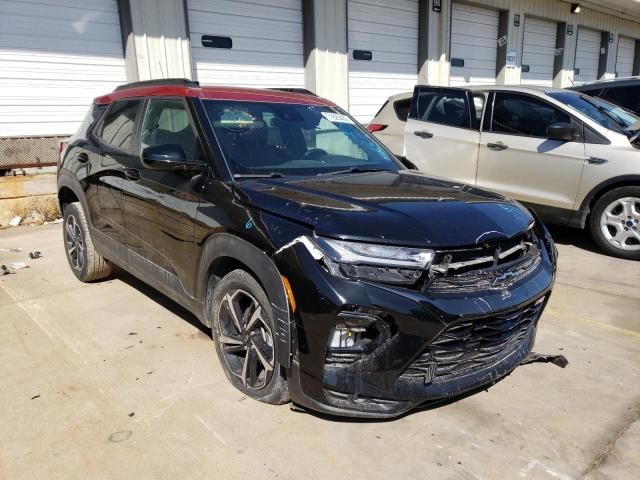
(358, 332)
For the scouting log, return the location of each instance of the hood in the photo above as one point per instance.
(402, 208)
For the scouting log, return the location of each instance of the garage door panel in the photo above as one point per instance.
(625, 56)
(390, 32)
(267, 42)
(359, 27)
(256, 28)
(587, 55)
(282, 12)
(366, 14)
(474, 36)
(538, 47)
(55, 57)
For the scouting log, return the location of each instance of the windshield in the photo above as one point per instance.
(260, 138)
(606, 114)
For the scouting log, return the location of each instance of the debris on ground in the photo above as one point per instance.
(4, 270)
(131, 414)
(558, 360)
(133, 333)
(35, 254)
(35, 396)
(15, 221)
(17, 265)
(57, 220)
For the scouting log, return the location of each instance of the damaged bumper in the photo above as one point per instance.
(427, 344)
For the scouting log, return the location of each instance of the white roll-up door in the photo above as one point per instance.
(56, 56)
(266, 48)
(389, 32)
(474, 44)
(538, 52)
(587, 55)
(625, 56)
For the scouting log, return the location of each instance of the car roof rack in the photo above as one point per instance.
(294, 90)
(160, 81)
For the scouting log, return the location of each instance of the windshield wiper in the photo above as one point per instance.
(355, 170)
(608, 113)
(257, 175)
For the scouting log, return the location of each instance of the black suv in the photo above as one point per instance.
(329, 274)
(624, 92)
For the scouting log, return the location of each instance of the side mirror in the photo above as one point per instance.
(561, 131)
(164, 157)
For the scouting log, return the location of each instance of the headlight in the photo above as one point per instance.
(373, 262)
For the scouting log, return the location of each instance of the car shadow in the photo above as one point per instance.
(161, 299)
(573, 236)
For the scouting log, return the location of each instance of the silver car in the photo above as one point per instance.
(388, 124)
(575, 159)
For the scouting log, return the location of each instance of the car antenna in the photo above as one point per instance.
(572, 82)
(161, 72)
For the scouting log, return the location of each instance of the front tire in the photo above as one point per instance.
(243, 334)
(615, 222)
(86, 264)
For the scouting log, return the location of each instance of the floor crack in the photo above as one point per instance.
(611, 445)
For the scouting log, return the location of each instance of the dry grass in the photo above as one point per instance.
(43, 208)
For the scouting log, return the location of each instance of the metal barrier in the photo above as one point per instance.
(24, 152)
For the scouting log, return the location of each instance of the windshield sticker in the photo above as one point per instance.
(236, 119)
(337, 117)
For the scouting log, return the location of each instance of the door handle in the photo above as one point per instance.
(423, 134)
(83, 157)
(597, 161)
(497, 146)
(132, 174)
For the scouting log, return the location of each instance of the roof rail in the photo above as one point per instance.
(304, 91)
(160, 81)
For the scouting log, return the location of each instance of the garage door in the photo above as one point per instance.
(474, 43)
(537, 52)
(625, 56)
(249, 44)
(587, 55)
(383, 38)
(55, 57)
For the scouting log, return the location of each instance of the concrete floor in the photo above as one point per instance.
(112, 380)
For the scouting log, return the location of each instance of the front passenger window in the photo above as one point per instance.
(524, 115)
(166, 122)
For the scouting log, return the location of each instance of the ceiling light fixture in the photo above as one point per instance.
(575, 8)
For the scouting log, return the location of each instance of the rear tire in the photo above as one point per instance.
(243, 333)
(615, 222)
(86, 264)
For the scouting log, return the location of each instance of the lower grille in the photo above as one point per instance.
(474, 344)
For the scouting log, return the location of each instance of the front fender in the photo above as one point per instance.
(227, 245)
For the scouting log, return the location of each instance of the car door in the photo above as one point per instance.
(114, 137)
(516, 157)
(441, 135)
(160, 205)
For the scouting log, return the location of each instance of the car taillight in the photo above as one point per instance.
(376, 127)
(62, 145)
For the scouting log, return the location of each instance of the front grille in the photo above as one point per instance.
(471, 345)
(494, 267)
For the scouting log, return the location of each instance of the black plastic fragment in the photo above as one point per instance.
(559, 360)
(35, 254)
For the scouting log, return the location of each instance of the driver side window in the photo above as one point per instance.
(524, 115)
(166, 122)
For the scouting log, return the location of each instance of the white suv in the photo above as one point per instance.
(573, 158)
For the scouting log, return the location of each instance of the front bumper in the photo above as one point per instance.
(422, 362)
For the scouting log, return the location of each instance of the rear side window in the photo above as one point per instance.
(518, 114)
(402, 108)
(118, 126)
(448, 107)
(626, 97)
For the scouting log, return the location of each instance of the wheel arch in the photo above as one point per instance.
(69, 191)
(598, 191)
(222, 253)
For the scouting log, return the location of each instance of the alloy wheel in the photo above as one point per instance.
(74, 241)
(620, 223)
(246, 339)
